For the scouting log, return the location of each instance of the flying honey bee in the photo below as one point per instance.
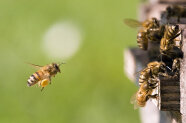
(169, 43)
(151, 72)
(144, 94)
(43, 75)
(150, 30)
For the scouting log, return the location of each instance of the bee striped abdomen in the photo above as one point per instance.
(142, 40)
(34, 78)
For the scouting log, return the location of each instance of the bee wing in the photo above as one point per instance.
(132, 23)
(133, 101)
(36, 66)
(138, 72)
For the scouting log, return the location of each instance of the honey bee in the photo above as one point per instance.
(151, 72)
(150, 31)
(168, 44)
(168, 41)
(43, 75)
(144, 94)
(174, 11)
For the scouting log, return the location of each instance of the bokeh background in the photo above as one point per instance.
(92, 87)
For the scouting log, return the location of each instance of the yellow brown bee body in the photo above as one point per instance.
(168, 41)
(142, 40)
(148, 81)
(43, 75)
(35, 78)
(150, 31)
(151, 72)
(144, 93)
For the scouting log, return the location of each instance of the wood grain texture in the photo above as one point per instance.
(183, 80)
(169, 94)
(135, 60)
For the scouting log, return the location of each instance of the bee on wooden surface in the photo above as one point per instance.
(169, 44)
(150, 30)
(144, 94)
(151, 72)
(43, 75)
(168, 41)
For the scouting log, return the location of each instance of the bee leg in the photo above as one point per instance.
(42, 89)
(44, 83)
(50, 81)
(164, 74)
(155, 96)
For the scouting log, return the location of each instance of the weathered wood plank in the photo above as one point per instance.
(183, 80)
(135, 60)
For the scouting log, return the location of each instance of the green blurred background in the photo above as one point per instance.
(92, 87)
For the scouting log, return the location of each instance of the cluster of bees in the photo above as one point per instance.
(167, 36)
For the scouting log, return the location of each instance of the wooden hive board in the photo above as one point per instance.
(169, 94)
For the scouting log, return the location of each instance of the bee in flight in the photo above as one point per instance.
(150, 30)
(43, 75)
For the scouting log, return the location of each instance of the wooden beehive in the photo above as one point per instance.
(169, 93)
(171, 90)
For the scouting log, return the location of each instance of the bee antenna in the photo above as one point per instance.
(61, 63)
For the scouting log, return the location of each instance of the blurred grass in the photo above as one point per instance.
(92, 87)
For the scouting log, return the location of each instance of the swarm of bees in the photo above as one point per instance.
(167, 36)
(43, 75)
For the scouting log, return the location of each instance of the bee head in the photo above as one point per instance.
(56, 66)
(155, 22)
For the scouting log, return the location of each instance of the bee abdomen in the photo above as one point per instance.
(34, 78)
(142, 40)
(141, 103)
